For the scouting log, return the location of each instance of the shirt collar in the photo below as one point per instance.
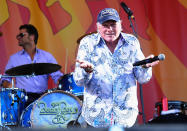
(124, 38)
(99, 39)
(23, 51)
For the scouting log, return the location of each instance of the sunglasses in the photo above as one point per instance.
(20, 35)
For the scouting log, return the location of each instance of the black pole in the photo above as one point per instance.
(131, 25)
(142, 103)
(140, 85)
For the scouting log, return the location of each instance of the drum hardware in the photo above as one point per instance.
(49, 91)
(19, 99)
(60, 86)
(11, 117)
(22, 96)
(70, 81)
(26, 97)
(75, 123)
(4, 128)
(4, 116)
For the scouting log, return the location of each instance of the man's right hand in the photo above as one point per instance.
(88, 67)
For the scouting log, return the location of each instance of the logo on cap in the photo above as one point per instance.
(107, 14)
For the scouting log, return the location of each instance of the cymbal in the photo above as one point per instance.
(33, 69)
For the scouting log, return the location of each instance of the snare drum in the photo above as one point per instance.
(68, 84)
(12, 102)
(56, 109)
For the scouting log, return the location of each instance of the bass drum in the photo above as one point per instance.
(57, 109)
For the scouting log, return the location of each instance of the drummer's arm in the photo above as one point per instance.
(6, 84)
(56, 76)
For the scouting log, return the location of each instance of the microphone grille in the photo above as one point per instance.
(161, 57)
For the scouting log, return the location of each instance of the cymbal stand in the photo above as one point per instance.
(13, 95)
(75, 123)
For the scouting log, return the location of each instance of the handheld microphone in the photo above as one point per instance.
(150, 60)
(127, 10)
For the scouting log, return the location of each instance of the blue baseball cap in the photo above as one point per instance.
(107, 14)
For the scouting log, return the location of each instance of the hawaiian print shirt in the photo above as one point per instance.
(110, 93)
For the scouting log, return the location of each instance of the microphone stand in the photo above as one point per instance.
(131, 25)
(142, 103)
(130, 17)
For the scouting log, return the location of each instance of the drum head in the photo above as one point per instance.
(55, 110)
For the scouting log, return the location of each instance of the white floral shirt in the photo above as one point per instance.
(110, 93)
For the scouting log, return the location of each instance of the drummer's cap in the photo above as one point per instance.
(108, 14)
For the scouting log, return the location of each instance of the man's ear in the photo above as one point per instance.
(31, 37)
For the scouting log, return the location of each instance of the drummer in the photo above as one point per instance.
(34, 86)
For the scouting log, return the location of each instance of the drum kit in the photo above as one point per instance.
(57, 108)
